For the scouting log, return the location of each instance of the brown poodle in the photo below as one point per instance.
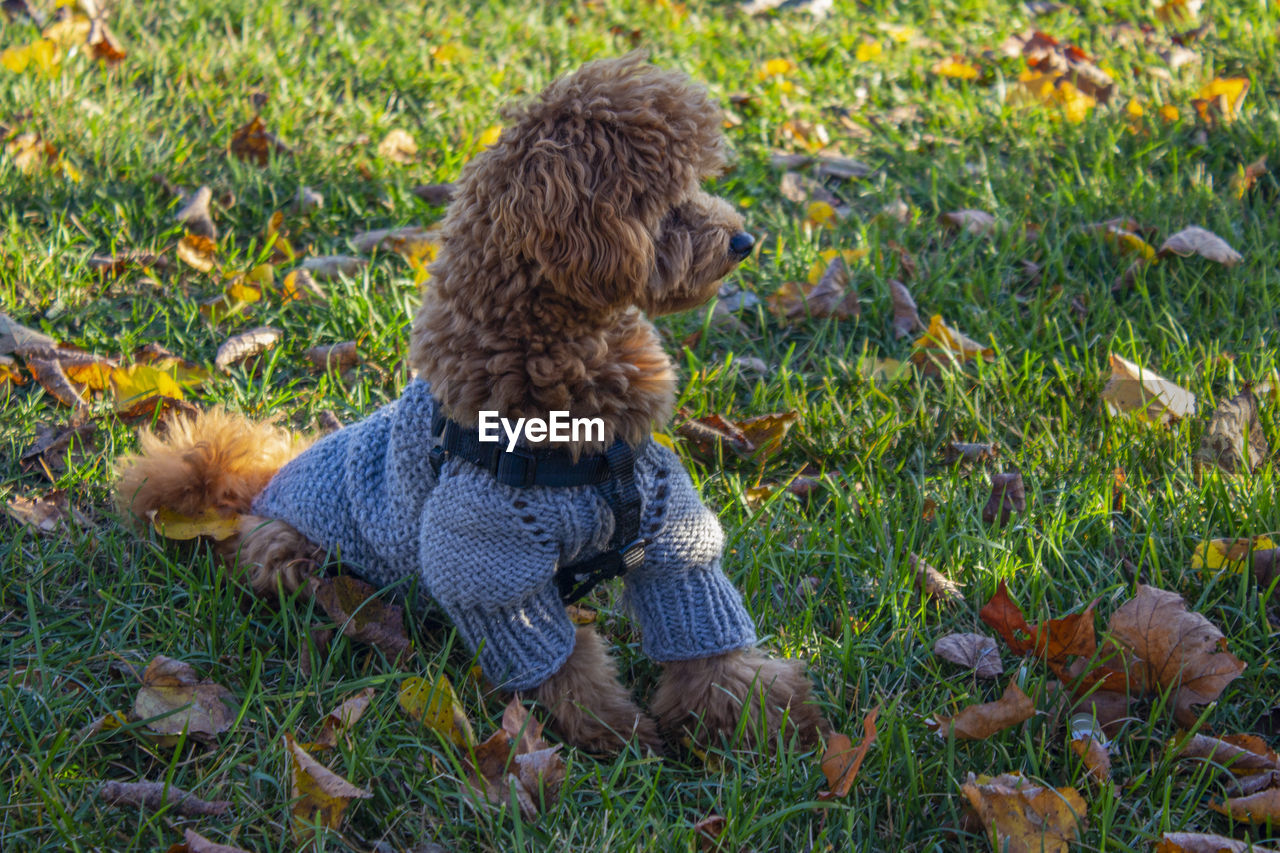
(585, 216)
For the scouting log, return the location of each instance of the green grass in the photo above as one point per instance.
(77, 610)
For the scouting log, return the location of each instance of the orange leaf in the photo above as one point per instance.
(841, 761)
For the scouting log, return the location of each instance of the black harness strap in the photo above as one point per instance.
(612, 473)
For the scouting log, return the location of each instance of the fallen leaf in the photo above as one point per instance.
(1199, 842)
(1266, 566)
(436, 706)
(244, 345)
(941, 339)
(194, 842)
(196, 252)
(195, 216)
(516, 761)
(1167, 647)
(54, 443)
(157, 795)
(955, 68)
(16, 338)
(906, 317)
(841, 761)
(801, 189)
(210, 523)
(339, 722)
(933, 583)
(307, 201)
(299, 285)
(138, 383)
(253, 142)
(970, 221)
(435, 194)
(1233, 439)
(830, 297)
(412, 241)
(1241, 754)
(1023, 817)
(52, 379)
(1008, 495)
(336, 357)
(327, 267)
(1247, 176)
(1262, 807)
(318, 796)
(1065, 65)
(362, 616)
(978, 722)
(1194, 240)
(970, 452)
(709, 830)
(975, 651)
(398, 147)
(45, 514)
(1221, 98)
(1094, 755)
(180, 702)
(1141, 390)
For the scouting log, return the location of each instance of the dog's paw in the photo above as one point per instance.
(743, 692)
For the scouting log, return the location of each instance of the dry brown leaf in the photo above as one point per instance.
(435, 194)
(244, 345)
(1194, 240)
(195, 215)
(19, 339)
(830, 297)
(975, 651)
(1241, 754)
(194, 842)
(253, 142)
(196, 252)
(1024, 817)
(1266, 566)
(933, 583)
(970, 221)
(171, 692)
(413, 240)
(398, 147)
(1167, 647)
(709, 830)
(1047, 55)
(339, 722)
(46, 514)
(337, 357)
(906, 317)
(978, 722)
(1008, 495)
(54, 443)
(157, 795)
(841, 761)
(328, 267)
(516, 761)
(1094, 755)
(1199, 842)
(972, 452)
(1141, 390)
(1233, 439)
(760, 436)
(1262, 807)
(54, 380)
(940, 342)
(1245, 179)
(801, 189)
(319, 796)
(361, 615)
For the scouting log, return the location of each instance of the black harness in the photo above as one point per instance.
(612, 473)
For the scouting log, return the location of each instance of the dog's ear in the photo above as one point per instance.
(572, 211)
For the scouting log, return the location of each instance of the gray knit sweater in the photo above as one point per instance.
(487, 552)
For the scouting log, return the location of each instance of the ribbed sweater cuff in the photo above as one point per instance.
(520, 646)
(689, 615)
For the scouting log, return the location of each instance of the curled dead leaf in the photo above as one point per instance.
(196, 252)
(398, 147)
(1199, 842)
(1233, 439)
(975, 651)
(978, 722)
(1008, 495)
(156, 795)
(339, 722)
(436, 706)
(841, 761)
(1148, 394)
(179, 701)
(361, 615)
(1194, 240)
(319, 797)
(970, 221)
(906, 317)
(253, 142)
(1241, 754)
(194, 842)
(244, 345)
(327, 267)
(933, 583)
(337, 357)
(195, 216)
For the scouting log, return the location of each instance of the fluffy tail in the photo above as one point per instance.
(216, 460)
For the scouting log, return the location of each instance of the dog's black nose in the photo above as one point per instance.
(741, 243)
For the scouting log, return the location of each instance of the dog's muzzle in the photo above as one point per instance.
(740, 244)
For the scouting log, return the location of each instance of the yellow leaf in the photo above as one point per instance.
(319, 795)
(664, 440)
(210, 523)
(955, 69)
(818, 267)
(436, 707)
(1221, 95)
(450, 52)
(776, 68)
(139, 382)
(1132, 388)
(821, 215)
(1128, 242)
(197, 252)
(868, 50)
(1169, 112)
(69, 32)
(95, 376)
(940, 336)
(898, 33)
(41, 54)
(1231, 555)
(489, 136)
(1134, 108)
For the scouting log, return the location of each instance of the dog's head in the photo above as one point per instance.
(593, 191)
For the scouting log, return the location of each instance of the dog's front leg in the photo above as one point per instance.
(589, 706)
(709, 697)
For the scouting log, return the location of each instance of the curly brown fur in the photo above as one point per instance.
(589, 706)
(587, 207)
(707, 698)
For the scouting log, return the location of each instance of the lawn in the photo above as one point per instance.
(933, 98)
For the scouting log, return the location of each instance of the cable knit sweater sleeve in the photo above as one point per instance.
(685, 605)
(488, 558)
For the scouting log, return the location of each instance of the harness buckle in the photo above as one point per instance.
(516, 468)
(436, 457)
